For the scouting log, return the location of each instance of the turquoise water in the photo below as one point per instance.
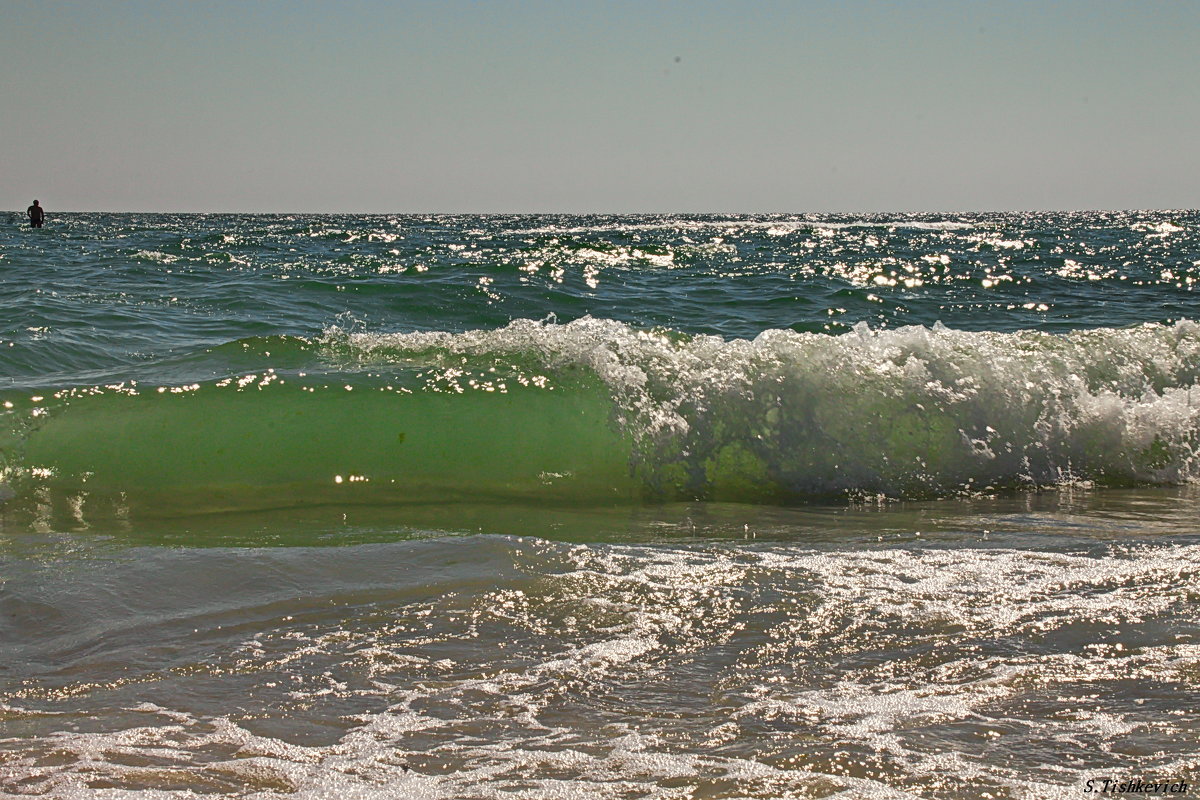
(578, 506)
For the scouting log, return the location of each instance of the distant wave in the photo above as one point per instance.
(598, 412)
(779, 225)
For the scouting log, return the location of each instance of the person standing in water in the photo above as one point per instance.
(37, 215)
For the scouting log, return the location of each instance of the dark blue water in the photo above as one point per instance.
(100, 290)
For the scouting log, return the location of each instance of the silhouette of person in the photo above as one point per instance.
(37, 215)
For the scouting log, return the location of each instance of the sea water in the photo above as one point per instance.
(599, 506)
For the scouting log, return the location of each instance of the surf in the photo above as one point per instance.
(598, 412)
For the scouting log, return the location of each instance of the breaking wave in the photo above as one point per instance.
(598, 412)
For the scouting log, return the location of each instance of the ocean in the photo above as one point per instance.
(554, 506)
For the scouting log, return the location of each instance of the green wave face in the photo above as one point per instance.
(214, 447)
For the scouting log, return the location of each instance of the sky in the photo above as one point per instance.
(614, 106)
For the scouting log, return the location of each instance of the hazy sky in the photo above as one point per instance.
(599, 106)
